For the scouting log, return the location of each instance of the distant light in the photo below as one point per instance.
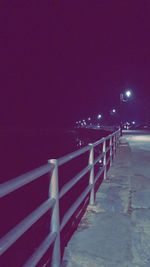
(113, 111)
(77, 122)
(99, 116)
(133, 122)
(89, 119)
(128, 93)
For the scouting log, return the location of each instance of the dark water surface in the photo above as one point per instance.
(24, 150)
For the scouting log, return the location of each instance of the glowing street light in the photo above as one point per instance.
(99, 116)
(113, 112)
(126, 95)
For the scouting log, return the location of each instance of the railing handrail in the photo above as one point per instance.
(72, 155)
(73, 181)
(41, 250)
(108, 148)
(80, 151)
(15, 233)
(24, 179)
(74, 207)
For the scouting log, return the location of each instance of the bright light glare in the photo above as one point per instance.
(114, 111)
(133, 122)
(99, 116)
(89, 119)
(128, 93)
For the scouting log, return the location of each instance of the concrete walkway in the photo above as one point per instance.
(116, 232)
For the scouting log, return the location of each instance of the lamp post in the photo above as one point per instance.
(113, 116)
(125, 96)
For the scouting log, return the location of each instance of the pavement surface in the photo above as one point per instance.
(116, 231)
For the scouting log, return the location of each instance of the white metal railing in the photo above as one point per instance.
(106, 155)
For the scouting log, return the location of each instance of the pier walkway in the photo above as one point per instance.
(116, 231)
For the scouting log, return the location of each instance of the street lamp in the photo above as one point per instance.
(99, 116)
(126, 95)
(113, 111)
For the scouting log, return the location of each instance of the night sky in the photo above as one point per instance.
(63, 61)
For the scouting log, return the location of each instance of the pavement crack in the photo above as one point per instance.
(130, 208)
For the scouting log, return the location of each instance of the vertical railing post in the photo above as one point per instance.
(104, 159)
(118, 134)
(114, 146)
(55, 221)
(91, 180)
(110, 154)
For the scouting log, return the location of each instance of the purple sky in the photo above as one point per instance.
(71, 59)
